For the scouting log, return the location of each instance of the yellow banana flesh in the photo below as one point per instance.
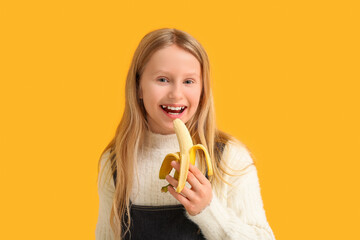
(186, 156)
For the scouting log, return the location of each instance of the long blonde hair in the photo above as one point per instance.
(133, 125)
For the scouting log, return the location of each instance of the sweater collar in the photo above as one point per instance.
(158, 141)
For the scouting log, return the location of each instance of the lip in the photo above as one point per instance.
(173, 105)
(173, 116)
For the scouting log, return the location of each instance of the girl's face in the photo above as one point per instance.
(170, 87)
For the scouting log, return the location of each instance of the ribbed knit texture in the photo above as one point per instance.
(235, 212)
(147, 185)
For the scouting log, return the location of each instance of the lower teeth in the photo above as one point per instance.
(174, 113)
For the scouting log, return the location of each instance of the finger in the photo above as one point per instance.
(198, 174)
(188, 193)
(183, 200)
(175, 165)
(171, 180)
(193, 181)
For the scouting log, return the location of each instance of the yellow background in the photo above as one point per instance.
(285, 81)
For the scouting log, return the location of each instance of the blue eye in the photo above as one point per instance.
(189, 81)
(162, 79)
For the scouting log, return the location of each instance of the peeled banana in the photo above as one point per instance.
(186, 156)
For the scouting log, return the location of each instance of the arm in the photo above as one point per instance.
(239, 214)
(106, 191)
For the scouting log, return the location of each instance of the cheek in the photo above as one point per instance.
(195, 98)
(151, 96)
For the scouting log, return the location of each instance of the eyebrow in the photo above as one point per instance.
(166, 72)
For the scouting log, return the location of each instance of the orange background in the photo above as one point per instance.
(285, 81)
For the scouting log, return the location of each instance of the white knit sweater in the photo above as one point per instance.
(235, 212)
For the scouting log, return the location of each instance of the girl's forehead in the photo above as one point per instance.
(173, 53)
(171, 59)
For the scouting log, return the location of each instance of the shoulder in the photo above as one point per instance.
(105, 182)
(236, 155)
(104, 159)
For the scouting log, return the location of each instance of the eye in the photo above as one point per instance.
(162, 79)
(189, 81)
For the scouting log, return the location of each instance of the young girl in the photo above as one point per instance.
(169, 78)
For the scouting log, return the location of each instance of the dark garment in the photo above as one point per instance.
(161, 223)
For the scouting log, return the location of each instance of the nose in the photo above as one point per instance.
(175, 91)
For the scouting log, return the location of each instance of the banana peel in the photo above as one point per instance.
(186, 156)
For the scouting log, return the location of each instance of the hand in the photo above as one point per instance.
(196, 198)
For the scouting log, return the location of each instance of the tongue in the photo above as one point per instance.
(173, 111)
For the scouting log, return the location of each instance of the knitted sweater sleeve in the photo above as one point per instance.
(236, 211)
(106, 191)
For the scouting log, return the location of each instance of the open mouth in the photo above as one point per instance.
(173, 110)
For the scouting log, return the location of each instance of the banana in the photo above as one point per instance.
(186, 156)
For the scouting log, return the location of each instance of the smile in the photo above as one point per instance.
(173, 110)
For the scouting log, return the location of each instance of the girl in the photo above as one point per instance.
(169, 78)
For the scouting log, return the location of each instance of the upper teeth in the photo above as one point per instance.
(173, 108)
